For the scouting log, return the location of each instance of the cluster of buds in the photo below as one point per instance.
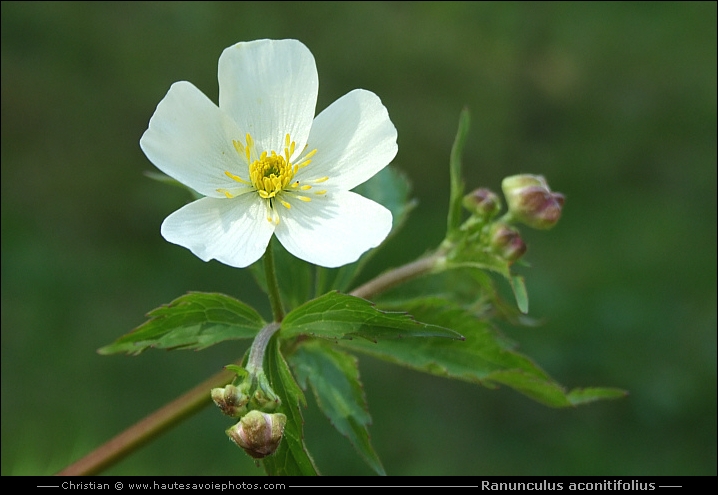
(259, 431)
(530, 201)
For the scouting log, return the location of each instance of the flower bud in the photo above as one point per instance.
(258, 433)
(507, 242)
(230, 400)
(531, 201)
(482, 202)
(264, 398)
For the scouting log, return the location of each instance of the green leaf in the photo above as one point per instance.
(334, 376)
(580, 396)
(292, 457)
(390, 188)
(193, 321)
(340, 316)
(522, 297)
(472, 288)
(552, 394)
(485, 357)
(484, 260)
(457, 182)
(540, 389)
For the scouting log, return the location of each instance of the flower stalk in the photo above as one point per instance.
(259, 346)
(275, 300)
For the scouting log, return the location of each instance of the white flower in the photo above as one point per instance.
(267, 166)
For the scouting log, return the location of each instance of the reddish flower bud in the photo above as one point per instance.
(507, 242)
(258, 433)
(531, 201)
(230, 400)
(482, 202)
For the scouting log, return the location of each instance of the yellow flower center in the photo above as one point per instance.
(271, 175)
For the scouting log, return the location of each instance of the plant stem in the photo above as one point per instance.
(191, 402)
(256, 352)
(397, 276)
(270, 274)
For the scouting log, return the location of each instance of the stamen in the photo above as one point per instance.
(236, 177)
(272, 216)
(272, 174)
(306, 160)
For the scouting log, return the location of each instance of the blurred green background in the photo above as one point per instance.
(614, 103)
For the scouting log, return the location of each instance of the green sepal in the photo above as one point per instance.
(292, 457)
(193, 321)
(337, 316)
(238, 370)
(334, 377)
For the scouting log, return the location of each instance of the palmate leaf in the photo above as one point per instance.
(334, 377)
(292, 457)
(484, 357)
(336, 316)
(193, 321)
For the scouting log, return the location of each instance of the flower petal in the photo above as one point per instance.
(189, 139)
(333, 230)
(354, 139)
(269, 87)
(233, 231)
